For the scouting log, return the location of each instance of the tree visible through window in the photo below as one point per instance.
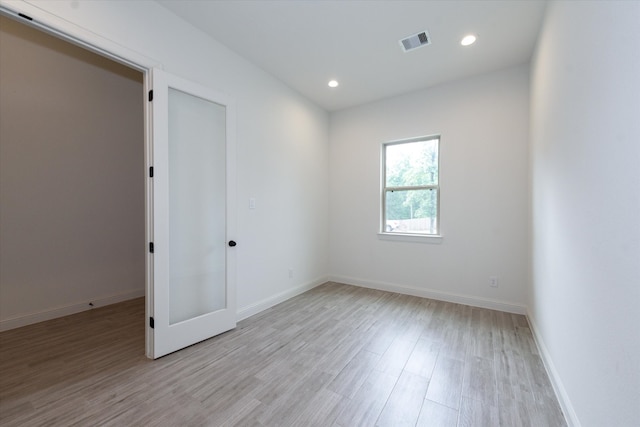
(411, 193)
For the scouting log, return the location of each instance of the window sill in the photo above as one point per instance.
(434, 239)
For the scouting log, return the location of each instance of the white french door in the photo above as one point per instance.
(192, 296)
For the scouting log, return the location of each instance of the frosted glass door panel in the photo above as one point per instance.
(197, 209)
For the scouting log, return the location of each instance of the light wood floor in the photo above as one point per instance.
(335, 356)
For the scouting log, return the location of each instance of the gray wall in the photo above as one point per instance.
(71, 177)
(585, 151)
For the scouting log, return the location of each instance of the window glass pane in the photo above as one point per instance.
(412, 163)
(411, 211)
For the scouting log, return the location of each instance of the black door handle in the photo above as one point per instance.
(232, 243)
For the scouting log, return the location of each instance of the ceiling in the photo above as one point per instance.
(307, 43)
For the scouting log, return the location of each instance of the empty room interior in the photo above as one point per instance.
(331, 213)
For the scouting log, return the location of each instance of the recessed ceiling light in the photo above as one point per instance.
(468, 40)
(333, 83)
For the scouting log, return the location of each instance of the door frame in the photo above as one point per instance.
(39, 19)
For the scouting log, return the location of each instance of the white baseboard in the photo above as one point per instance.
(561, 393)
(256, 308)
(433, 294)
(53, 313)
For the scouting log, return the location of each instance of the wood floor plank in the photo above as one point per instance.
(546, 412)
(526, 342)
(456, 341)
(380, 342)
(351, 378)
(433, 414)
(514, 413)
(423, 358)
(445, 386)
(322, 410)
(505, 339)
(480, 380)
(337, 355)
(511, 376)
(540, 383)
(234, 414)
(474, 413)
(366, 405)
(481, 343)
(404, 403)
(393, 360)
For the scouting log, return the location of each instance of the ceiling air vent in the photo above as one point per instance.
(415, 41)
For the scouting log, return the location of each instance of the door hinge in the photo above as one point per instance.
(151, 247)
(151, 95)
(151, 324)
(151, 172)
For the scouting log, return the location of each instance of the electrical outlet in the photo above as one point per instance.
(493, 281)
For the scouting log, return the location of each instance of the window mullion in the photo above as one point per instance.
(412, 187)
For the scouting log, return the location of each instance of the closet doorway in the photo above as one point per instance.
(72, 178)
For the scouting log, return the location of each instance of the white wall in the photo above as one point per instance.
(585, 152)
(71, 178)
(282, 140)
(483, 123)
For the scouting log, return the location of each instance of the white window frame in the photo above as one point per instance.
(400, 236)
